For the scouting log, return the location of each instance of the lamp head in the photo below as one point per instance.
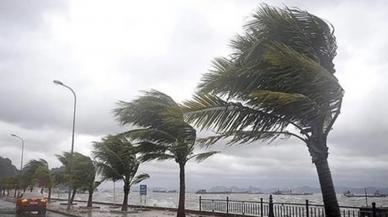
(58, 82)
(13, 135)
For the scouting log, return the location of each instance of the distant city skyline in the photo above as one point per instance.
(111, 50)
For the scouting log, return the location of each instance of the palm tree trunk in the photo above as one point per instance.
(49, 194)
(124, 207)
(182, 189)
(90, 199)
(73, 195)
(327, 188)
(14, 194)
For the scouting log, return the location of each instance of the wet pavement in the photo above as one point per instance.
(101, 210)
(7, 209)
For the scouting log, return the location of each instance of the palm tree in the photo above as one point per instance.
(9, 183)
(37, 171)
(279, 81)
(56, 177)
(116, 160)
(82, 175)
(163, 134)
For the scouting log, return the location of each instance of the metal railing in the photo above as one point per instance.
(272, 209)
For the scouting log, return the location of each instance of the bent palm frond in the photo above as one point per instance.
(203, 156)
(139, 178)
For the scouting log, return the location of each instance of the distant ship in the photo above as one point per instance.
(203, 191)
(376, 194)
(278, 192)
(164, 191)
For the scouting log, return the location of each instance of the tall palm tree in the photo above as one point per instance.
(116, 160)
(163, 134)
(279, 81)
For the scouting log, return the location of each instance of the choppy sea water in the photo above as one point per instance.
(192, 199)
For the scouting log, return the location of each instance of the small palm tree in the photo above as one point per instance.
(82, 175)
(163, 134)
(37, 171)
(9, 183)
(56, 176)
(279, 81)
(116, 160)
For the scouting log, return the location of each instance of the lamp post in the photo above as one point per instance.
(21, 159)
(72, 136)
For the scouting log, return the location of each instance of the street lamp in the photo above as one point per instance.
(72, 136)
(21, 159)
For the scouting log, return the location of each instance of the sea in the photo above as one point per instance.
(192, 199)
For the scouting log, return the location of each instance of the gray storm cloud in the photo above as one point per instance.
(109, 51)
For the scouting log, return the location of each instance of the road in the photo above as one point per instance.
(7, 209)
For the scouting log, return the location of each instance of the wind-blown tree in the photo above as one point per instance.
(25, 181)
(163, 133)
(116, 160)
(90, 182)
(82, 174)
(279, 81)
(37, 172)
(7, 170)
(56, 177)
(8, 183)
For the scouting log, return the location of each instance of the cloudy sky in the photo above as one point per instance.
(110, 50)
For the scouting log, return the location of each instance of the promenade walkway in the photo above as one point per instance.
(101, 210)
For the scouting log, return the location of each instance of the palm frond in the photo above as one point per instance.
(207, 111)
(150, 134)
(203, 156)
(146, 111)
(208, 141)
(155, 156)
(108, 172)
(297, 107)
(139, 178)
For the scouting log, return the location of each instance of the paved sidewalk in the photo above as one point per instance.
(100, 210)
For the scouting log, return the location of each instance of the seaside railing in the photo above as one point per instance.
(272, 209)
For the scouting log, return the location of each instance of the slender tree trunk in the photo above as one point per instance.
(41, 190)
(319, 152)
(14, 194)
(73, 195)
(327, 188)
(182, 190)
(49, 194)
(90, 199)
(124, 207)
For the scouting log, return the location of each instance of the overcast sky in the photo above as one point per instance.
(110, 50)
